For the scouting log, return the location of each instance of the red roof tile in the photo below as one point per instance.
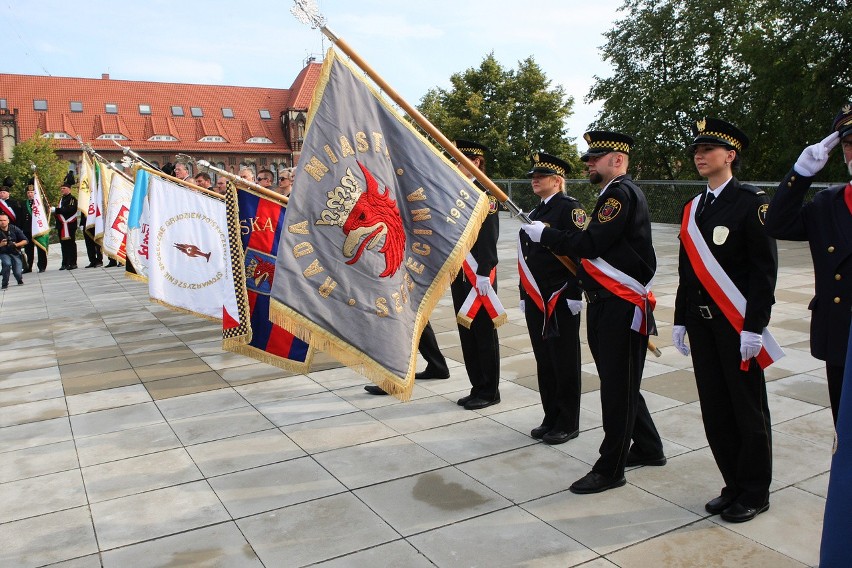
(246, 102)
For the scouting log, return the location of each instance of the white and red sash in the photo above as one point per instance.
(721, 288)
(4, 207)
(474, 302)
(65, 225)
(531, 288)
(627, 288)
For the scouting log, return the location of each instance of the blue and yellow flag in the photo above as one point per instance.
(378, 224)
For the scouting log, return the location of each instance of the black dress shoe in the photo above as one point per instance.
(738, 513)
(40, 270)
(63, 267)
(27, 270)
(72, 267)
(479, 403)
(90, 265)
(373, 389)
(111, 263)
(594, 482)
(465, 399)
(634, 458)
(719, 504)
(539, 431)
(559, 437)
(98, 264)
(431, 375)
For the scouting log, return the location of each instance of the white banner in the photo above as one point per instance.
(189, 261)
(40, 225)
(138, 227)
(115, 226)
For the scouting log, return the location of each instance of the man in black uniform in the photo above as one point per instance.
(436, 364)
(66, 225)
(826, 222)
(616, 248)
(727, 271)
(27, 227)
(10, 206)
(550, 300)
(480, 347)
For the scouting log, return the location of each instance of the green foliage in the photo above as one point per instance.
(514, 112)
(775, 68)
(51, 170)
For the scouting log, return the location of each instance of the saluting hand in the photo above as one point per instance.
(814, 157)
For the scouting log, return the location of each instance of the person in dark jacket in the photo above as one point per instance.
(826, 223)
(551, 302)
(728, 261)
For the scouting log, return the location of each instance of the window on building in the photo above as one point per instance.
(111, 108)
(58, 135)
(232, 161)
(109, 136)
(3, 103)
(212, 139)
(227, 112)
(177, 111)
(259, 140)
(39, 104)
(144, 109)
(196, 112)
(76, 106)
(162, 138)
(264, 114)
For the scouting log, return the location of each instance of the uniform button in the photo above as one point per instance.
(837, 300)
(789, 184)
(831, 248)
(526, 257)
(837, 277)
(580, 282)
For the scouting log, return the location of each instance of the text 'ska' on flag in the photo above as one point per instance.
(254, 226)
(378, 224)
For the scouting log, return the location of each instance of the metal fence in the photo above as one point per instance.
(665, 198)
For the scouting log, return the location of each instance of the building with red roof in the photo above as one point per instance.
(231, 127)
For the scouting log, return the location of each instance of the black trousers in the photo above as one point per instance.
(619, 354)
(480, 347)
(428, 347)
(93, 249)
(32, 250)
(557, 361)
(734, 409)
(69, 252)
(834, 374)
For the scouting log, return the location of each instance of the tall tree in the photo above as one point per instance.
(773, 67)
(41, 152)
(515, 113)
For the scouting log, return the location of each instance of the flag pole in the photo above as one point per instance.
(307, 12)
(92, 152)
(237, 179)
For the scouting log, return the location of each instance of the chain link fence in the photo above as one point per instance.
(665, 198)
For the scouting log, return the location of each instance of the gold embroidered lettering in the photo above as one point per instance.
(327, 287)
(414, 266)
(330, 153)
(421, 248)
(382, 308)
(300, 228)
(421, 214)
(361, 142)
(314, 269)
(346, 147)
(315, 168)
(302, 249)
(416, 195)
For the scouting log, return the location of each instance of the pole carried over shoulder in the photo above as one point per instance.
(307, 12)
(236, 179)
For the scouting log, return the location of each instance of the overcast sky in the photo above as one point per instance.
(414, 45)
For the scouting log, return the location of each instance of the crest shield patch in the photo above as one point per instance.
(609, 210)
(579, 217)
(761, 213)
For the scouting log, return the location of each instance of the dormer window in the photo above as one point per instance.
(259, 140)
(112, 137)
(212, 139)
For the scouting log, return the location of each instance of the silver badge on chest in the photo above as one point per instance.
(720, 235)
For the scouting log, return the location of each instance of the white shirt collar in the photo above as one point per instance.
(716, 192)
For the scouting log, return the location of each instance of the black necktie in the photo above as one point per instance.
(536, 210)
(708, 201)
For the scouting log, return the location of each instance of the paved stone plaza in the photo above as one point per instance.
(129, 438)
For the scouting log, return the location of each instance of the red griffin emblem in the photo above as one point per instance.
(373, 216)
(260, 270)
(192, 250)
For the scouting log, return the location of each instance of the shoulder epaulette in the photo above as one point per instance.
(752, 189)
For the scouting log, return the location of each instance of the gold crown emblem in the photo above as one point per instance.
(587, 138)
(536, 158)
(701, 125)
(341, 200)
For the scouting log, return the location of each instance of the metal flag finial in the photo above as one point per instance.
(307, 12)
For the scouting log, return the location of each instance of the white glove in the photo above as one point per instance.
(534, 230)
(522, 305)
(678, 338)
(483, 285)
(750, 344)
(814, 157)
(575, 306)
